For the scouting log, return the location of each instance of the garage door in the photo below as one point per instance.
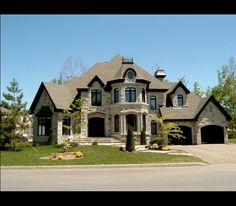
(212, 134)
(187, 133)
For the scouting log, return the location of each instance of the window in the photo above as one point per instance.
(44, 126)
(117, 123)
(96, 97)
(153, 103)
(144, 121)
(130, 94)
(143, 95)
(130, 74)
(116, 95)
(180, 100)
(153, 128)
(66, 122)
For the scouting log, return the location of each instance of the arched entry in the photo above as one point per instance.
(96, 127)
(212, 134)
(187, 133)
(131, 120)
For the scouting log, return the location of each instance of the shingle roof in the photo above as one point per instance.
(60, 95)
(188, 112)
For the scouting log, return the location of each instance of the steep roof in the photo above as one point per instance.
(114, 70)
(195, 106)
(60, 95)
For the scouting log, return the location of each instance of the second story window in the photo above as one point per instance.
(180, 100)
(143, 95)
(116, 95)
(96, 97)
(153, 103)
(130, 94)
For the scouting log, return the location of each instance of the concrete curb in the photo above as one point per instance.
(106, 166)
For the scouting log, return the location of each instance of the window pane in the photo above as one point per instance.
(127, 95)
(116, 95)
(153, 102)
(153, 128)
(180, 100)
(99, 98)
(117, 123)
(144, 122)
(133, 95)
(143, 95)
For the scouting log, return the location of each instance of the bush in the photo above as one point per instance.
(165, 148)
(94, 143)
(130, 146)
(154, 146)
(79, 154)
(143, 139)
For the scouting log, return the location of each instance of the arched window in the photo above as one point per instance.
(130, 94)
(131, 120)
(153, 127)
(116, 123)
(66, 125)
(96, 97)
(180, 100)
(116, 95)
(153, 103)
(143, 95)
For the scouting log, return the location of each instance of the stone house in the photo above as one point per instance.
(120, 93)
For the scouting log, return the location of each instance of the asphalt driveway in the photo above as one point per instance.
(211, 153)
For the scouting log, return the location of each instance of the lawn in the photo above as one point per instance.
(93, 155)
(232, 141)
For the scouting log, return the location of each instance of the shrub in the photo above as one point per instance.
(143, 139)
(154, 146)
(94, 143)
(165, 148)
(130, 146)
(60, 157)
(79, 154)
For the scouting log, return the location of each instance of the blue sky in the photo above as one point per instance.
(35, 47)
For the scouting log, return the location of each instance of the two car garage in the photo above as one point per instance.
(211, 134)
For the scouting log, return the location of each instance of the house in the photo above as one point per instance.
(118, 93)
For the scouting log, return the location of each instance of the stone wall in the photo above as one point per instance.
(211, 115)
(179, 91)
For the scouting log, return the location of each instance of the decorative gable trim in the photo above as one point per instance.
(180, 84)
(96, 78)
(217, 104)
(38, 95)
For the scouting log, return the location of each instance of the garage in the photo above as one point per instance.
(212, 134)
(187, 133)
(96, 127)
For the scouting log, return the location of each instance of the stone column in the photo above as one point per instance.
(138, 124)
(226, 140)
(124, 121)
(121, 124)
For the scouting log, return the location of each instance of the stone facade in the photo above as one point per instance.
(131, 105)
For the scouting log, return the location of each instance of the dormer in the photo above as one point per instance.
(130, 75)
(177, 96)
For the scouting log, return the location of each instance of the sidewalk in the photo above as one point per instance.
(107, 166)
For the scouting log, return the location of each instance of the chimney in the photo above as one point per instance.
(160, 74)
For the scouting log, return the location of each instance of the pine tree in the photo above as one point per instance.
(130, 146)
(14, 118)
(143, 140)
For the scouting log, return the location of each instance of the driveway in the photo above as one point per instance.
(211, 153)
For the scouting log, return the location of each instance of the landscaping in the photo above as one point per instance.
(92, 155)
(232, 140)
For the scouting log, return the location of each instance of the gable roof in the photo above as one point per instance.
(59, 94)
(195, 107)
(175, 86)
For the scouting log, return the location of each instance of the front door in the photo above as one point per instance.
(96, 127)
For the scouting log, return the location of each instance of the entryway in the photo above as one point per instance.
(96, 127)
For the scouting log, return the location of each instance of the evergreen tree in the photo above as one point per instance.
(130, 146)
(14, 118)
(143, 139)
(76, 113)
(197, 89)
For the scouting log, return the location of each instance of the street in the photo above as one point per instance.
(156, 178)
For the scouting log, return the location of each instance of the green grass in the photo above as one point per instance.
(232, 141)
(93, 155)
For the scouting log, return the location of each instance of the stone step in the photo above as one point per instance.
(99, 140)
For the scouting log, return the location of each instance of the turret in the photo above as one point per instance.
(160, 74)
